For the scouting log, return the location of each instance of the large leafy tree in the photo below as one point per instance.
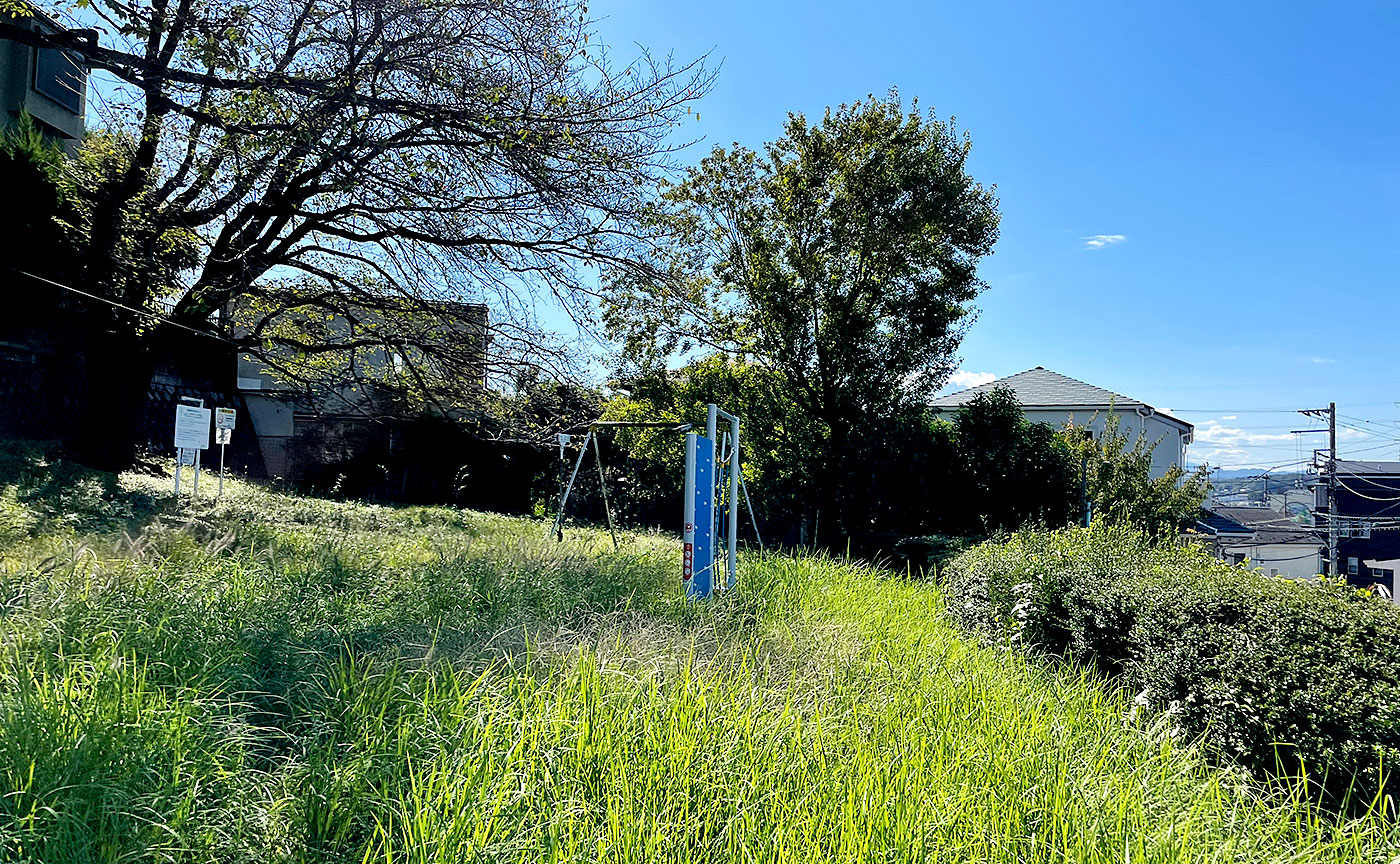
(356, 158)
(844, 257)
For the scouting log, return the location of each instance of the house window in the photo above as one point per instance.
(1273, 571)
(1353, 566)
(59, 76)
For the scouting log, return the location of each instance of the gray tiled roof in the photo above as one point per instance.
(1270, 526)
(1041, 388)
(1367, 469)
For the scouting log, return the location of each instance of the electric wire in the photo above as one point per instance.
(132, 309)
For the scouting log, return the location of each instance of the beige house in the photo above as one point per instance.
(1049, 397)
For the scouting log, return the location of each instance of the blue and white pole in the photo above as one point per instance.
(698, 544)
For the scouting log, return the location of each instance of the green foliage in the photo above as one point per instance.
(147, 257)
(987, 470)
(497, 173)
(277, 678)
(1012, 472)
(52, 235)
(30, 168)
(649, 475)
(1121, 487)
(844, 258)
(1285, 678)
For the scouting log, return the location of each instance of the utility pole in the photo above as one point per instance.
(1331, 413)
(1332, 488)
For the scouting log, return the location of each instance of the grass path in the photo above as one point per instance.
(273, 678)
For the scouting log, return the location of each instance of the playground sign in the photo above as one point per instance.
(191, 427)
(191, 437)
(225, 418)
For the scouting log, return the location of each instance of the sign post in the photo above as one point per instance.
(224, 420)
(191, 436)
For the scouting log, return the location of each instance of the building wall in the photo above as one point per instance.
(18, 93)
(1170, 446)
(1287, 560)
(299, 433)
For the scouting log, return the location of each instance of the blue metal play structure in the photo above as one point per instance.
(713, 481)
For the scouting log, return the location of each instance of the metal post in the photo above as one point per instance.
(564, 501)
(712, 440)
(1085, 506)
(177, 474)
(197, 453)
(688, 514)
(734, 503)
(221, 469)
(603, 485)
(753, 517)
(1332, 489)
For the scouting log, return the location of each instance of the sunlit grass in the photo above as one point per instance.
(275, 678)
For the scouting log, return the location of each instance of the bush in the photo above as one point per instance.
(1283, 677)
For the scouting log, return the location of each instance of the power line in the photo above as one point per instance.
(1392, 403)
(132, 309)
(1360, 494)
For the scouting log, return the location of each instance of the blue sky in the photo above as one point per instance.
(1238, 164)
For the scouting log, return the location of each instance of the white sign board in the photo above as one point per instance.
(192, 427)
(224, 418)
(223, 436)
(185, 455)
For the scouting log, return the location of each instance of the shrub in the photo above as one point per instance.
(1283, 677)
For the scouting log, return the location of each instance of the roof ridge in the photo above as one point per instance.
(1087, 384)
(1117, 399)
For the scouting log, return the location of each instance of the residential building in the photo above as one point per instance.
(1263, 539)
(50, 85)
(1368, 520)
(302, 430)
(1049, 397)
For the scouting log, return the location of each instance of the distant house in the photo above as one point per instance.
(1368, 520)
(300, 430)
(1265, 539)
(1049, 397)
(49, 84)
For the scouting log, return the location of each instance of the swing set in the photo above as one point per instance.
(713, 482)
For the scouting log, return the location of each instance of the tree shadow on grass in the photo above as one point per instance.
(57, 492)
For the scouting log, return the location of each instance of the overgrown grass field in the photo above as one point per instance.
(275, 678)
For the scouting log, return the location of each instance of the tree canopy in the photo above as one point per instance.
(335, 156)
(844, 258)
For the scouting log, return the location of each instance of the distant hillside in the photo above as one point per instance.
(1283, 492)
(1241, 473)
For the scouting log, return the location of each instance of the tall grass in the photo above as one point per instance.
(273, 678)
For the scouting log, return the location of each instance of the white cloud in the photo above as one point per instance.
(1099, 241)
(1232, 446)
(1322, 360)
(1233, 437)
(1229, 417)
(964, 379)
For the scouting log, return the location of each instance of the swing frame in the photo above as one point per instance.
(729, 456)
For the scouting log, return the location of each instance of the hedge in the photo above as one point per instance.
(1284, 676)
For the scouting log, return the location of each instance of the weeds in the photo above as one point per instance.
(273, 678)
